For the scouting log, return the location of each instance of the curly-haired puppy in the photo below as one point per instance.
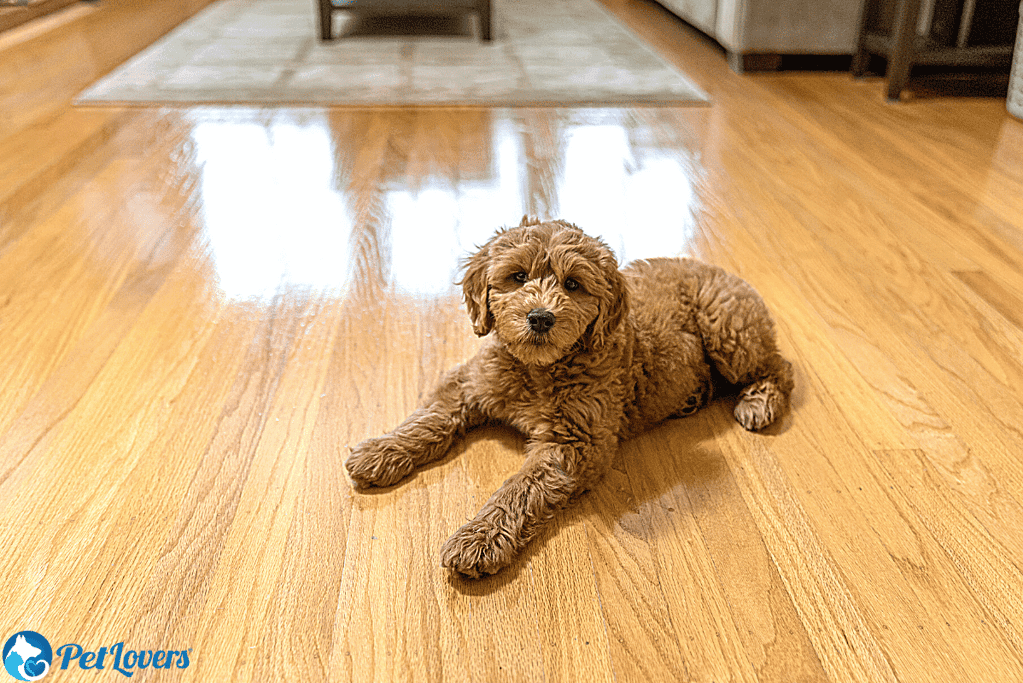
(581, 356)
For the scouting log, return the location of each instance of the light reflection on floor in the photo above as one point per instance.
(275, 217)
(642, 208)
(271, 215)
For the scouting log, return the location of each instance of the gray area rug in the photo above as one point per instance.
(565, 52)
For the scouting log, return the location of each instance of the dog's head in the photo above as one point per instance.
(545, 288)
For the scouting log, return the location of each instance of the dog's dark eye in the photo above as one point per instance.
(571, 285)
(520, 277)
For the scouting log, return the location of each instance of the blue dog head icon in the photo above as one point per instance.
(27, 656)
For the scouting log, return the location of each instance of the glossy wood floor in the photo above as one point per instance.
(200, 308)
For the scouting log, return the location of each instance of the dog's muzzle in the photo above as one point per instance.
(540, 320)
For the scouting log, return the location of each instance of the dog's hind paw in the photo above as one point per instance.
(477, 549)
(753, 414)
(378, 462)
(759, 405)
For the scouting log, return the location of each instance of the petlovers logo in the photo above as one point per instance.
(27, 656)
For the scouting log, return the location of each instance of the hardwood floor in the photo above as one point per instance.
(200, 308)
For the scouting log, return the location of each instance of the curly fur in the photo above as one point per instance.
(625, 350)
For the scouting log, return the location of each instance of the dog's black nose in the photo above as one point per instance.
(540, 320)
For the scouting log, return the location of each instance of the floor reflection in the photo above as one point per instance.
(271, 215)
(369, 202)
(642, 205)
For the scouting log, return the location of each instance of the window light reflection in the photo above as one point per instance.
(422, 240)
(432, 229)
(486, 206)
(272, 217)
(642, 207)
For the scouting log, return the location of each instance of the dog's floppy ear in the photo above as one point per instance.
(476, 291)
(614, 304)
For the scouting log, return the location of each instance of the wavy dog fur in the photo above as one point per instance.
(580, 355)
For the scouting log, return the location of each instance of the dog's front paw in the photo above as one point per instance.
(380, 461)
(478, 548)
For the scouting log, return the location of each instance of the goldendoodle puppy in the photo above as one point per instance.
(581, 356)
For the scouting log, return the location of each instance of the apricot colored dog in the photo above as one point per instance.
(580, 356)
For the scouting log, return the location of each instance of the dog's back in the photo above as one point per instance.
(688, 317)
(670, 369)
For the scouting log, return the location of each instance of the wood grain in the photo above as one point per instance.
(202, 308)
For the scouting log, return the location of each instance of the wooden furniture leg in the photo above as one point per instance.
(326, 19)
(484, 11)
(900, 60)
(861, 58)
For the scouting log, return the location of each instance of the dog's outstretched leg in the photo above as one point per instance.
(423, 437)
(738, 335)
(552, 474)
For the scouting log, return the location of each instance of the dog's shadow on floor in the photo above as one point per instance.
(677, 468)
